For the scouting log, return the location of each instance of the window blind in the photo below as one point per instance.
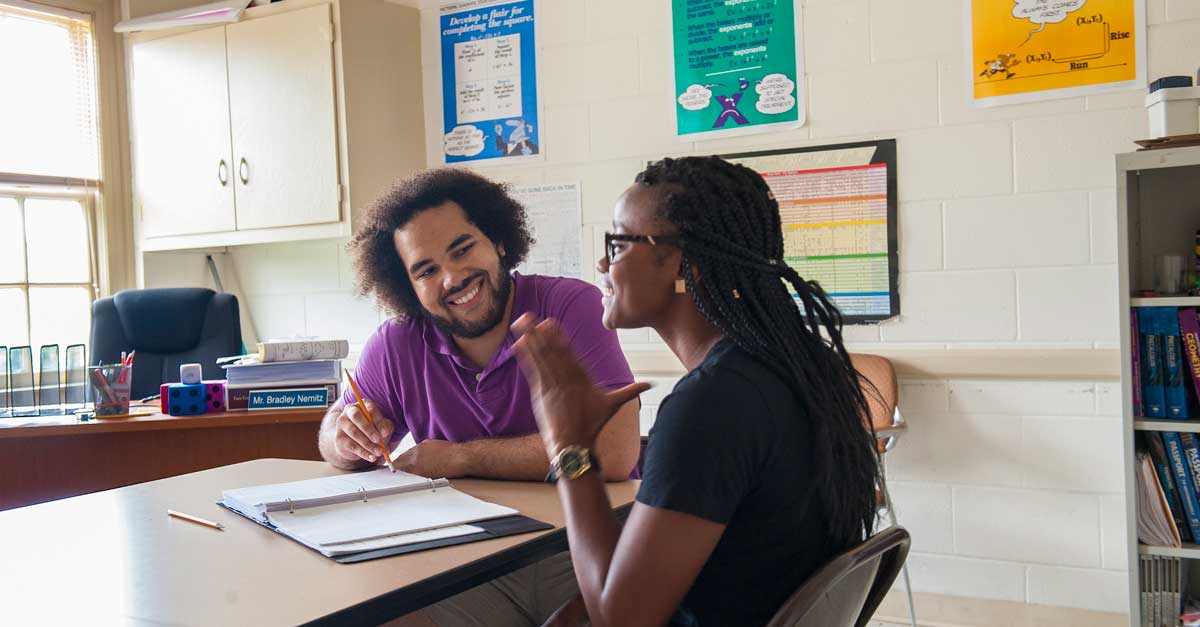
(48, 115)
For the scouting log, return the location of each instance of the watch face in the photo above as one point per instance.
(571, 464)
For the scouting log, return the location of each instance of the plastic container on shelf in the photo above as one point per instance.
(1173, 105)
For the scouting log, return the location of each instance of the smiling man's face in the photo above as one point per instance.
(455, 270)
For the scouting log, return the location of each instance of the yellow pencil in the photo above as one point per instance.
(363, 406)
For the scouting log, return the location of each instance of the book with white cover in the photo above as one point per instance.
(372, 511)
(302, 350)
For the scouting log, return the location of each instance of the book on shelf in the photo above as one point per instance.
(1174, 393)
(1144, 588)
(353, 517)
(1191, 456)
(302, 350)
(1136, 370)
(1150, 343)
(1163, 584)
(1183, 481)
(1158, 456)
(1155, 525)
(1189, 337)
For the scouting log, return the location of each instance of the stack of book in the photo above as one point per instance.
(1164, 590)
(1168, 464)
(1166, 361)
(286, 374)
(1166, 384)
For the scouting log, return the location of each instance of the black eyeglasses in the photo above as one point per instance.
(610, 240)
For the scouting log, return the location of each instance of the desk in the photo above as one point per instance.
(115, 557)
(59, 457)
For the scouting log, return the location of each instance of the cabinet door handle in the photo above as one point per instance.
(244, 171)
(223, 173)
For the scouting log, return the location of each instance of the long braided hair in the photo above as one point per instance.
(732, 241)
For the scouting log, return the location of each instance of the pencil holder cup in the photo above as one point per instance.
(108, 387)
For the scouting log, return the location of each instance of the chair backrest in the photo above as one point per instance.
(846, 591)
(167, 327)
(882, 375)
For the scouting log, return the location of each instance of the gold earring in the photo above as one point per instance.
(736, 295)
(680, 286)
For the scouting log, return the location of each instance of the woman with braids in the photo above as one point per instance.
(760, 466)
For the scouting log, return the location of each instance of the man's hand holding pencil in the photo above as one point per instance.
(363, 431)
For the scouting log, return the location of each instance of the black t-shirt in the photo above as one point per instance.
(731, 444)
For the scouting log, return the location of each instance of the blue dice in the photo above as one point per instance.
(186, 400)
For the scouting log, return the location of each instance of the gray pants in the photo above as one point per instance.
(523, 598)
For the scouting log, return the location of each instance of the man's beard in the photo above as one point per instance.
(491, 318)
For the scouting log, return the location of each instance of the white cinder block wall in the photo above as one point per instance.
(1007, 227)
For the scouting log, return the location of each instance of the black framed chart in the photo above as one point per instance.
(838, 208)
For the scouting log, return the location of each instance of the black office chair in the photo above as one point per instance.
(847, 591)
(167, 327)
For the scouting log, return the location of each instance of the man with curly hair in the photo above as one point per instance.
(438, 251)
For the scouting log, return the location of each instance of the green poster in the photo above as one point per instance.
(737, 66)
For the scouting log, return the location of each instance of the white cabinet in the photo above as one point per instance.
(282, 119)
(271, 128)
(184, 180)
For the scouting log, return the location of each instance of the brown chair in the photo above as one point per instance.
(882, 398)
(846, 591)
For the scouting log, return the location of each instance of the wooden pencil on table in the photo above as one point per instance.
(195, 519)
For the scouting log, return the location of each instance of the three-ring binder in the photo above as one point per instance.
(298, 510)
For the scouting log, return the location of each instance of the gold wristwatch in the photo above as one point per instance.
(571, 463)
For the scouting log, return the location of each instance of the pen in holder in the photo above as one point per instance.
(109, 388)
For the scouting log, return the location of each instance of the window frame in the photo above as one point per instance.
(87, 198)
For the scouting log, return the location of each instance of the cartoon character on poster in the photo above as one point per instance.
(738, 67)
(774, 96)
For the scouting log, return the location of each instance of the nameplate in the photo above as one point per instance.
(288, 399)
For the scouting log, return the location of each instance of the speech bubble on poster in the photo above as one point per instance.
(775, 94)
(1043, 12)
(696, 97)
(464, 141)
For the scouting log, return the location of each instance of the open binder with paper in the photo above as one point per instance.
(360, 516)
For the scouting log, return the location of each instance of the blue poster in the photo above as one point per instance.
(489, 82)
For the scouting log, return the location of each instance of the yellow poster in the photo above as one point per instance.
(1026, 50)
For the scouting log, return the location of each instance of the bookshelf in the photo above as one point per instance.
(1158, 212)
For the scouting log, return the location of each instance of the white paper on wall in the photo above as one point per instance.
(554, 217)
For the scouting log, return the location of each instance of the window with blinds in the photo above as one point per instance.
(49, 176)
(48, 113)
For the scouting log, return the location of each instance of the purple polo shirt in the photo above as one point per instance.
(415, 373)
